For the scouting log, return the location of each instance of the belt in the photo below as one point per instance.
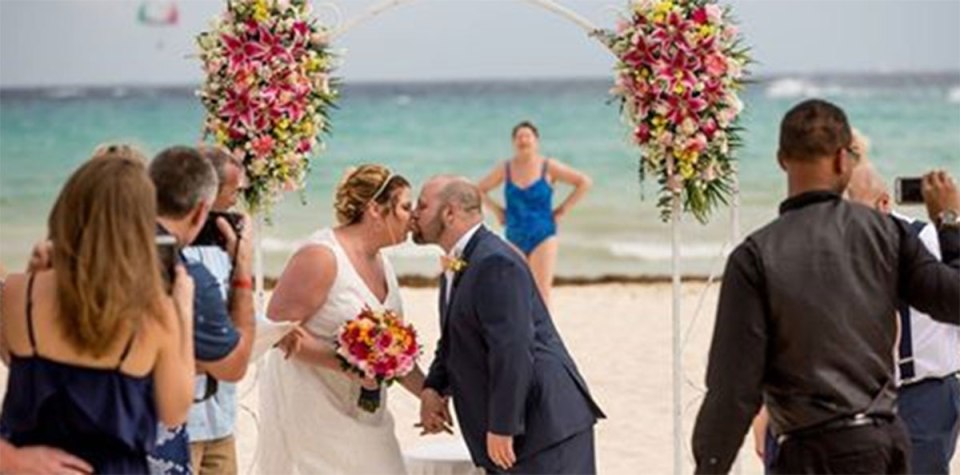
(857, 420)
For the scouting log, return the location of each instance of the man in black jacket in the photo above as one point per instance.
(806, 319)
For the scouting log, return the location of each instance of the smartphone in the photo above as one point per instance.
(167, 255)
(909, 190)
(210, 234)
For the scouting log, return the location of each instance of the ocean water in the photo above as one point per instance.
(420, 129)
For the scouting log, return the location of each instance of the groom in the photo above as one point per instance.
(522, 405)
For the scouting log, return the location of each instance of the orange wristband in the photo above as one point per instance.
(244, 283)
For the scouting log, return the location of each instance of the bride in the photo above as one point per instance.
(310, 421)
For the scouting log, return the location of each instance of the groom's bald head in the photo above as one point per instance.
(448, 205)
(460, 193)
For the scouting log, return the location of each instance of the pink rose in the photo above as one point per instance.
(709, 127)
(698, 143)
(262, 146)
(642, 133)
(700, 16)
(714, 13)
(716, 65)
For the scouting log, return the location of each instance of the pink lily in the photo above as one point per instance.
(273, 45)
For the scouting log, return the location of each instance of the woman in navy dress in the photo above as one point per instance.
(98, 352)
(528, 212)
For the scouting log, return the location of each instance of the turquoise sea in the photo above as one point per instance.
(420, 129)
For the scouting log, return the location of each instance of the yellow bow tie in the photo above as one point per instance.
(452, 264)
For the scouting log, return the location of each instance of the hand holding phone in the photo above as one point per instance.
(909, 190)
(167, 255)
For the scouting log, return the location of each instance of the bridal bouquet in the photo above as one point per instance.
(377, 345)
(680, 67)
(267, 91)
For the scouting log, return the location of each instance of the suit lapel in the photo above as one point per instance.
(480, 235)
(441, 302)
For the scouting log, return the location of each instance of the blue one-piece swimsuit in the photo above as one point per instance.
(529, 212)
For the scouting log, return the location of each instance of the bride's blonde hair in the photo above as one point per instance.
(363, 185)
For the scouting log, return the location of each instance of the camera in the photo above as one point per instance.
(167, 256)
(210, 234)
(909, 190)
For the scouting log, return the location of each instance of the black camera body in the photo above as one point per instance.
(210, 234)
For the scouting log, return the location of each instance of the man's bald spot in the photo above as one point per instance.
(458, 191)
(866, 183)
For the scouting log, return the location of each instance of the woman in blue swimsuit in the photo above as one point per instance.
(528, 212)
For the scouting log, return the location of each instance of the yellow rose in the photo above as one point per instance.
(663, 7)
(306, 128)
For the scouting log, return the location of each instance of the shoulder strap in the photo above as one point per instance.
(126, 350)
(30, 333)
(546, 161)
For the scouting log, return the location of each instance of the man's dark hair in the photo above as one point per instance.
(813, 128)
(183, 179)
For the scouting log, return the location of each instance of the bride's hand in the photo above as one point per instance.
(292, 342)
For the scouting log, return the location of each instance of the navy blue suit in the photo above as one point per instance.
(502, 360)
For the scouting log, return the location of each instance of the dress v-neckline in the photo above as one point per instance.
(356, 273)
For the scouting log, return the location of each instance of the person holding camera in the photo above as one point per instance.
(186, 185)
(928, 352)
(210, 426)
(805, 321)
(98, 350)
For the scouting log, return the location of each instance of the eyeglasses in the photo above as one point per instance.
(853, 153)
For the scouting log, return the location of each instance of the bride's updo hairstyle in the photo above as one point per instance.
(363, 185)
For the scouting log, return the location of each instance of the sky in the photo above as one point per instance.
(99, 42)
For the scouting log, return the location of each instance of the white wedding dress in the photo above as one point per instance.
(309, 419)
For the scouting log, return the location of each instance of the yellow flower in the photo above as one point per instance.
(707, 31)
(222, 137)
(663, 7)
(284, 124)
(658, 122)
(306, 127)
(686, 170)
(261, 11)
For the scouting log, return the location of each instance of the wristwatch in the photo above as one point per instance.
(949, 218)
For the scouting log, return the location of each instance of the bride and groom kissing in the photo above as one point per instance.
(521, 404)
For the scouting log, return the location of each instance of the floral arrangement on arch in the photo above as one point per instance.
(267, 91)
(680, 67)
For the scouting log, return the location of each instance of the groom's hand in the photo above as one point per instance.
(434, 413)
(500, 450)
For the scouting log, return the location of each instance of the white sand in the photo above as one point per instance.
(620, 336)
